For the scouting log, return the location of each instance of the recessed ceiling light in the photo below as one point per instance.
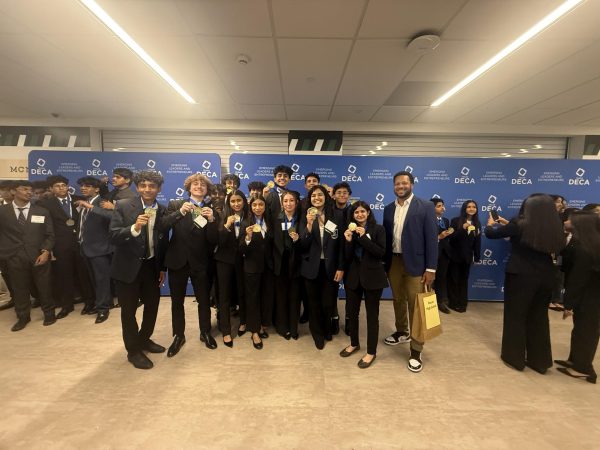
(537, 146)
(237, 147)
(133, 45)
(378, 147)
(524, 150)
(372, 152)
(503, 154)
(384, 143)
(563, 9)
(232, 142)
(507, 155)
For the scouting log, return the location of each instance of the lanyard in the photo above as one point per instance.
(195, 203)
(287, 227)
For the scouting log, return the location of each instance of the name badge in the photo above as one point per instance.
(283, 228)
(200, 221)
(38, 219)
(330, 226)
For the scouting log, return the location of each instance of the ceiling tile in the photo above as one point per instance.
(317, 18)
(407, 18)
(352, 113)
(304, 112)
(574, 117)
(400, 114)
(575, 97)
(263, 112)
(530, 116)
(311, 69)
(417, 93)
(254, 83)
(375, 69)
(442, 114)
(226, 18)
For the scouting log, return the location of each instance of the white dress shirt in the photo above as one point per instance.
(399, 219)
(149, 230)
(25, 209)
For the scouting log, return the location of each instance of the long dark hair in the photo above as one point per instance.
(586, 232)
(329, 203)
(266, 215)
(229, 212)
(296, 196)
(357, 204)
(463, 215)
(541, 228)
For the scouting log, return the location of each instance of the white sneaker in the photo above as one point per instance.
(397, 338)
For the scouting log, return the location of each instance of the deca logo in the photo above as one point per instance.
(96, 171)
(464, 178)
(436, 196)
(492, 198)
(295, 168)
(379, 205)
(151, 164)
(408, 169)
(71, 190)
(522, 179)
(579, 181)
(207, 172)
(352, 177)
(487, 259)
(40, 169)
(238, 167)
(179, 192)
(206, 164)
(41, 162)
(491, 204)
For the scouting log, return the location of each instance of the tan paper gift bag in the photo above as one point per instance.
(426, 317)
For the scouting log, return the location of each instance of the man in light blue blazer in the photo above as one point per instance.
(410, 258)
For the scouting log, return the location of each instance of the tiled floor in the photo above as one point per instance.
(69, 386)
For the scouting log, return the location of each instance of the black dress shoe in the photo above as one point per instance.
(228, 344)
(241, 332)
(101, 317)
(85, 309)
(537, 369)
(287, 336)
(328, 337)
(178, 342)
(295, 336)
(363, 364)
(21, 323)
(319, 342)
(335, 326)
(7, 305)
(263, 334)
(444, 308)
(140, 361)
(564, 363)
(152, 347)
(64, 312)
(345, 353)
(49, 319)
(208, 340)
(257, 345)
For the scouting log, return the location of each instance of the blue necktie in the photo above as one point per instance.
(65, 206)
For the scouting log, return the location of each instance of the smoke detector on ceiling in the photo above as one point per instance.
(424, 44)
(243, 59)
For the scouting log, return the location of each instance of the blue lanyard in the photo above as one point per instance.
(287, 227)
(259, 221)
(153, 206)
(195, 203)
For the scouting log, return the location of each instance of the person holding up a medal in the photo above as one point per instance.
(322, 261)
(256, 246)
(193, 239)
(274, 190)
(286, 265)
(229, 262)
(465, 248)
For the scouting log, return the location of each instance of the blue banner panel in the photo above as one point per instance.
(175, 168)
(495, 184)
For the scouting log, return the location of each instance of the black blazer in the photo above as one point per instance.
(96, 239)
(189, 243)
(282, 242)
(523, 259)
(582, 281)
(258, 254)
(443, 244)
(367, 270)
(65, 236)
(333, 248)
(37, 236)
(228, 249)
(465, 246)
(273, 202)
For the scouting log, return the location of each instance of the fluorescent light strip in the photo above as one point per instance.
(128, 40)
(529, 34)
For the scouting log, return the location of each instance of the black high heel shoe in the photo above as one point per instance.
(228, 344)
(257, 345)
(242, 332)
(588, 378)
(564, 363)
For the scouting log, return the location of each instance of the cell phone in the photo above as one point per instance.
(495, 215)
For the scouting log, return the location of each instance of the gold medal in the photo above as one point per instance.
(270, 184)
(256, 228)
(450, 230)
(197, 211)
(150, 211)
(470, 229)
(236, 218)
(291, 230)
(70, 222)
(313, 210)
(229, 190)
(352, 226)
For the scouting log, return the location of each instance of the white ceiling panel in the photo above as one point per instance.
(497, 20)
(530, 116)
(254, 83)
(576, 116)
(312, 69)
(352, 113)
(406, 18)
(580, 23)
(375, 69)
(317, 18)
(226, 17)
(263, 112)
(303, 112)
(8, 109)
(443, 114)
(572, 98)
(400, 114)
(417, 93)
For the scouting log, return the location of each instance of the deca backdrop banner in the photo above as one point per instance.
(495, 184)
(174, 167)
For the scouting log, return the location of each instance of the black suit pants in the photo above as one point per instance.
(99, 270)
(231, 290)
(24, 275)
(146, 288)
(441, 279)
(353, 299)
(178, 280)
(69, 269)
(458, 284)
(320, 293)
(585, 334)
(287, 301)
(259, 299)
(526, 331)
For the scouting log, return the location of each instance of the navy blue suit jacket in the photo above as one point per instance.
(96, 239)
(419, 236)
